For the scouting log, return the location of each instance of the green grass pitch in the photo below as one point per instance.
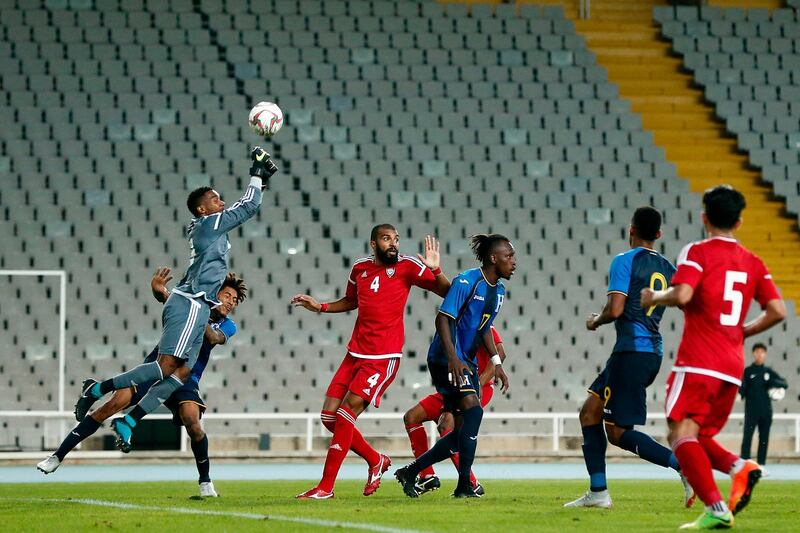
(269, 506)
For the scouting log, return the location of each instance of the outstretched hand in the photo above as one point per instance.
(431, 257)
(158, 284)
(306, 301)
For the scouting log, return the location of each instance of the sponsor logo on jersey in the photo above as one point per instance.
(478, 297)
(367, 391)
(390, 272)
(364, 274)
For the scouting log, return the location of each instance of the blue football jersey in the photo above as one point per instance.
(630, 272)
(473, 303)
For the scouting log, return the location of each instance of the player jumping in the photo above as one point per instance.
(716, 281)
(619, 394)
(186, 403)
(187, 310)
(378, 287)
(431, 408)
(464, 322)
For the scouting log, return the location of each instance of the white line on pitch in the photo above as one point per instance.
(233, 514)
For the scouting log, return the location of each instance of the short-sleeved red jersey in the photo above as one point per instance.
(482, 355)
(382, 292)
(726, 277)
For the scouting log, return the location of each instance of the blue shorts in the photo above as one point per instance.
(451, 394)
(622, 385)
(184, 323)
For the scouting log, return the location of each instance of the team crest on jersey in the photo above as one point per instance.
(390, 272)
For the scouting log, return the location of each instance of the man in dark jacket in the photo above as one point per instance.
(756, 384)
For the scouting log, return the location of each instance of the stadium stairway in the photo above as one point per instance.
(628, 44)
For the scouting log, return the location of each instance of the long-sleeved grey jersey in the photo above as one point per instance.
(209, 245)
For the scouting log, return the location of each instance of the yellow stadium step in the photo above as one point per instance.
(625, 41)
(748, 4)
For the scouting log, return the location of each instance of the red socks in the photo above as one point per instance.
(696, 466)
(340, 445)
(721, 459)
(359, 445)
(419, 445)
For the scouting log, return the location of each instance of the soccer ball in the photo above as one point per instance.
(266, 119)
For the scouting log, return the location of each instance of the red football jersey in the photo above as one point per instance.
(382, 292)
(482, 355)
(726, 277)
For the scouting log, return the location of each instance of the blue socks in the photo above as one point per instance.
(200, 451)
(648, 449)
(79, 433)
(467, 444)
(594, 454)
(443, 449)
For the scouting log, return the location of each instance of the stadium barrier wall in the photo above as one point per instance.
(312, 421)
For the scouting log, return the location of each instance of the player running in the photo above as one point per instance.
(463, 323)
(431, 408)
(186, 404)
(619, 394)
(188, 308)
(716, 281)
(378, 287)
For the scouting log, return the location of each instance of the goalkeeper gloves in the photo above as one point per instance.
(263, 167)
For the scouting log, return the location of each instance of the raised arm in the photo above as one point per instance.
(159, 284)
(432, 260)
(247, 206)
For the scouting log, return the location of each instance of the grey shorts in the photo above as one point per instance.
(184, 322)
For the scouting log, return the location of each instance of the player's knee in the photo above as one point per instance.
(354, 403)
(168, 364)
(194, 428)
(588, 415)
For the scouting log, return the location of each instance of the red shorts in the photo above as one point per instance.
(706, 400)
(434, 404)
(366, 378)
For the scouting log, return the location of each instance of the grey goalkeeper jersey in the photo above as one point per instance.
(209, 245)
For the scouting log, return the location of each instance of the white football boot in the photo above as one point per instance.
(49, 465)
(207, 490)
(592, 499)
(688, 492)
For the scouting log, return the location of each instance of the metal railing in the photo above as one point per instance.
(312, 419)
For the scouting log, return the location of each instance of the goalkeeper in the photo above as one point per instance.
(187, 310)
(757, 383)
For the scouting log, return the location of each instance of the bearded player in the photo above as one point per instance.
(715, 283)
(431, 408)
(378, 287)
